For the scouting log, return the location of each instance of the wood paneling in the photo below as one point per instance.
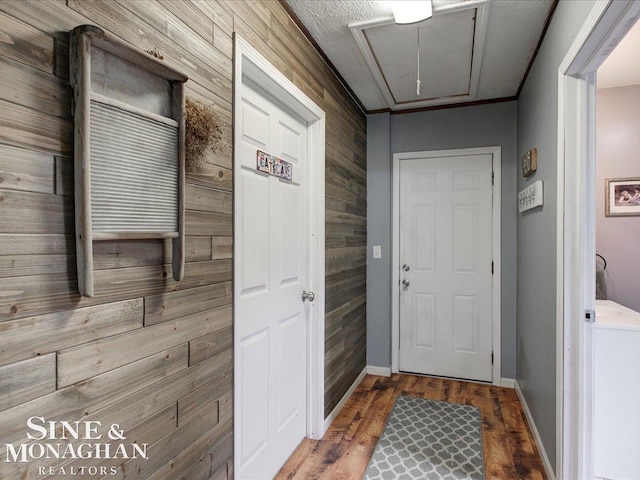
(26, 380)
(25, 212)
(33, 88)
(148, 430)
(204, 397)
(40, 244)
(34, 336)
(64, 176)
(87, 360)
(25, 170)
(36, 264)
(345, 450)
(221, 247)
(23, 127)
(199, 249)
(25, 44)
(208, 223)
(209, 345)
(168, 306)
(101, 403)
(149, 353)
(208, 200)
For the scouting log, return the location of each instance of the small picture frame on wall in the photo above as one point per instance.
(622, 197)
(529, 162)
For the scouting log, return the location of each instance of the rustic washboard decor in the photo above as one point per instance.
(128, 148)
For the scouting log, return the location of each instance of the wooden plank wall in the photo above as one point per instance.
(149, 353)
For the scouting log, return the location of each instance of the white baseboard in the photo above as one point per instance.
(508, 383)
(382, 371)
(334, 413)
(536, 435)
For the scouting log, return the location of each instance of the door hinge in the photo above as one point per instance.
(491, 358)
(493, 178)
(492, 268)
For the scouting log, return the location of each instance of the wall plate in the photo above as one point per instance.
(531, 197)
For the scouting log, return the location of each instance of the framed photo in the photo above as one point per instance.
(622, 197)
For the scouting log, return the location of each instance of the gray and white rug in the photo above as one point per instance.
(428, 439)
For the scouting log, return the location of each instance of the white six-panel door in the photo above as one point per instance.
(271, 273)
(445, 266)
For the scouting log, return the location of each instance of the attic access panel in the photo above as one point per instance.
(385, 46)
(129, 137)
(395, 45)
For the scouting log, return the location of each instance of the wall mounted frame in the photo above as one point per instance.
(129, 156)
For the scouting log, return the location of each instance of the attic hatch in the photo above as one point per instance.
(129, 136)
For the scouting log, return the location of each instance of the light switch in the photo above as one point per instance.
(377, 251)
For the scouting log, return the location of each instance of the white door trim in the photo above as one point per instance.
(496, 250)
(606, 24)
(250, 63)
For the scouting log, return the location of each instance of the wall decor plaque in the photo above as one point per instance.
(274, 166)
(529, 162)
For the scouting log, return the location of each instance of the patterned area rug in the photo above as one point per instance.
(428, 439)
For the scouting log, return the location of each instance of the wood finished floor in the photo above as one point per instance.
(344, 452)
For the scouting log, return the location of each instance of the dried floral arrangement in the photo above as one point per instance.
(203, 132)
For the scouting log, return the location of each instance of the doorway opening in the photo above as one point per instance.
(608, 23)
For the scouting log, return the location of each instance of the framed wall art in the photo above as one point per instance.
(622, 197)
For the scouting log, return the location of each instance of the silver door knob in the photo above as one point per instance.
(405, 284)
(308, 296)
(406, 267)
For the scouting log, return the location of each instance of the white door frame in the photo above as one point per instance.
(604, 27)
(496, 250)
(249, 63)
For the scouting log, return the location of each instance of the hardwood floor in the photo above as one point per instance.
(343, 453)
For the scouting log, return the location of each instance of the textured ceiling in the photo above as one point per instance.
(471, 50)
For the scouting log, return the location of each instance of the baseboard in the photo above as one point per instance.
(382, 371)
(536, 435)
(334, 413)
(508, 383)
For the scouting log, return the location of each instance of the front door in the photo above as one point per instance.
(270, 275)
(446, 266)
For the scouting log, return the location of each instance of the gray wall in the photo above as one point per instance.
(618, 144)
(537, 232)
(464, 127)
(379, 233)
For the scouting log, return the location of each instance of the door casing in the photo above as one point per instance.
(496, 152)
(606, 24)
(249, 63)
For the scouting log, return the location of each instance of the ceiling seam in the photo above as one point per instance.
(320, 52)
(447, 106)
(535, 52)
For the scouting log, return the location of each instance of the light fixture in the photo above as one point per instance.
(411, 11)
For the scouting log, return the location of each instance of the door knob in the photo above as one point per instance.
(405, 284)
(308, 296)
(406, 267)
